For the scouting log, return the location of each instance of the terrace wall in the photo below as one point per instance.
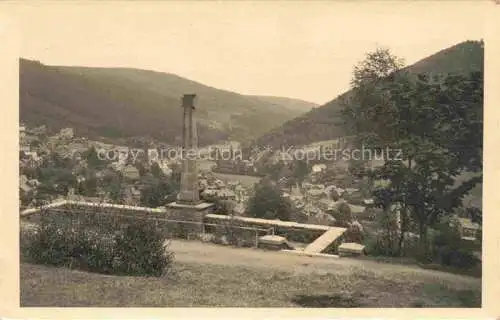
(240, 231)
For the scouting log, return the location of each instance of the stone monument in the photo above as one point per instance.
(189, 177)
(188, 206)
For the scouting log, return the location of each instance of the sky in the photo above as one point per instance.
(291, 49)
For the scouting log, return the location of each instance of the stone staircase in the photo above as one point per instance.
(323, 241)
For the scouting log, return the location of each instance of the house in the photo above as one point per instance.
(22, 132)
(34, 183)
(316, 191)
(369, 202)
(209, 192)
(166, 169)
(23, 184)
(130, 172)
(66, 133)
(351, 190)
(223, 194)
(469, 230)
(32, 159)
(219, 183)
(226, 194)
(131, 195)
(117, 165)
(317, 168)
(39, 130)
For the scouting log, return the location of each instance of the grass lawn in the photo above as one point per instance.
(215, 285)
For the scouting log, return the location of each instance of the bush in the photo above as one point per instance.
(354, 232)
(178, 230)
(450, 250)
(381, 244)
(342, 214)
(135, 248)
(141, 249)
(458, 258)
(228, 233)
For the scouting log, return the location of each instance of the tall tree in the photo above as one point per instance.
(268, 203)
(93, 160)
(436, 122)
(156, 171)
(300, 170)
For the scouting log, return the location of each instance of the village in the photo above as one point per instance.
(251, 157)
(322, 191)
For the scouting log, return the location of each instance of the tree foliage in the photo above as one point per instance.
(268, 203)
(342, 214)
(436, 121)
(155, 192)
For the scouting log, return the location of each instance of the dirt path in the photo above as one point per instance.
(197, 252)
(206, 253)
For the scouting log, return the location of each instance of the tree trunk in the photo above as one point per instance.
(402, 232)
(423, 240)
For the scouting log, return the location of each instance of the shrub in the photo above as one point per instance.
(354, 232)
(228, 233)
(458, 258)
(450, 250)
(342, 214)
(141, 249)
(381, 244)
(178, 230)
(51, 243)
(135, 248)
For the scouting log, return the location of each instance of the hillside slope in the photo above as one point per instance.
(324, 123)
(122, 102)
(294, 105)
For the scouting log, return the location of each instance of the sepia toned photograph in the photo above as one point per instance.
(254, 154)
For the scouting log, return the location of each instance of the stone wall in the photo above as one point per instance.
(188, 222)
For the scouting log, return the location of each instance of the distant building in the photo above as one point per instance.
(38, 130)
(222, 194)
(468, 229)
(22, 132)
(165, 169)
(235, 166)
(318, 168)
(32, 159)
(226, 194)
(23, 184)
(66, 133)
(117, 166)
(130, 172)
(26, 184)
(369, 202)
(219, 183)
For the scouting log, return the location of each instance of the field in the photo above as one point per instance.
(206, 275)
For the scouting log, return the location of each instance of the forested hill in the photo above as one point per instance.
(324, 123)
(122, 102)
(296, 105)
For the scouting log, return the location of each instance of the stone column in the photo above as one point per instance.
(189, 210)
(189, 193)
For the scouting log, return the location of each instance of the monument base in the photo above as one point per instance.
(189, 215)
